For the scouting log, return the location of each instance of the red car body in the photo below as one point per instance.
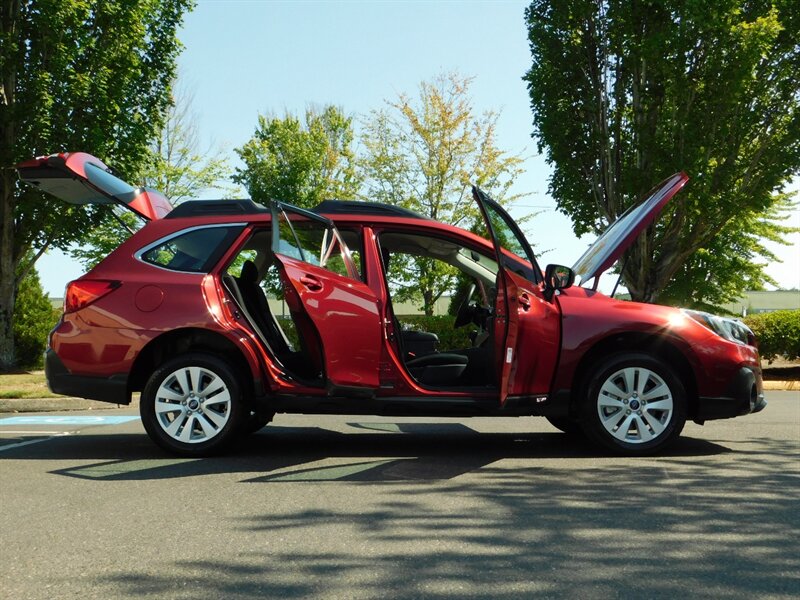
(549, 347)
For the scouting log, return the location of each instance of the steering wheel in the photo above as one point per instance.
(465, 310)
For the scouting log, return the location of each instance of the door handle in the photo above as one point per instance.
(525, 301)
(311, 282)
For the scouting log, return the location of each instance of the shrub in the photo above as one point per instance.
(778, 333)
(442, 326)
(34, 317)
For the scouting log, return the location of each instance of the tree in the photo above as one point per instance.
(34, 317)
(88, 75)
(175, 166)
(625, 93)
(301, 163)
(425, 154)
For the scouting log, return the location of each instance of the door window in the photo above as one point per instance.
(313, 242)
(505, 234)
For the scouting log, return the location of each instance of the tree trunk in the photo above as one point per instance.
(9, 13)
(428, 302)
(7, 270)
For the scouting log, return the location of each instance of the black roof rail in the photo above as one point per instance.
(202, 208)
(350, 207)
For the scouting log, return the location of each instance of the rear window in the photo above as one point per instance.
(195, 251)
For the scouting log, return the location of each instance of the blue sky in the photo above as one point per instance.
(245, 57)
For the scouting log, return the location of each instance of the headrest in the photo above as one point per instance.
(249, 272)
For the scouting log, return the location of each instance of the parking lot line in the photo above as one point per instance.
(31, 442)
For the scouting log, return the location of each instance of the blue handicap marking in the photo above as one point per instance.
(67, 420)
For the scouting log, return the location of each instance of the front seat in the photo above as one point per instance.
(434, 368)
(258, 307)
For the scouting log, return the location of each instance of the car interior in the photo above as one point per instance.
(428, 363)
(292, 338)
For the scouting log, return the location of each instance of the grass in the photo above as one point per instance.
(24, 385)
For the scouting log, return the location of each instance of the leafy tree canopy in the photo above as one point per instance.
(625, 93)
(85, 75)
(424, 154)
(175, 166)
(301, 162)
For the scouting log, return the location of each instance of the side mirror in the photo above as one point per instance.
(557, 277)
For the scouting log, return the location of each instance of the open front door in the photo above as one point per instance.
(527, 326)
(323, 288)
(80, 178)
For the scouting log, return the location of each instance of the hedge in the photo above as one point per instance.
(442, 326)
(778, 333)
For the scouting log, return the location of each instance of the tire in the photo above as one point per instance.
(254, 422)
(634, 404)
(566, 425)
(192, 405)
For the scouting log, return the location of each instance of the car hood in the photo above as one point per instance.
(623, 232)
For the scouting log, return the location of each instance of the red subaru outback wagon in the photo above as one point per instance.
(179, 313)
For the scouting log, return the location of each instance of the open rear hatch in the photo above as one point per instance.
(80, 178)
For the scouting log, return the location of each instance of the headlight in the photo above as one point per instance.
(730, 329)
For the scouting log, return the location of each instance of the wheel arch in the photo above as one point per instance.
(658, 346)
(184, 340)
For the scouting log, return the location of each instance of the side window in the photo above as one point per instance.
(511, 239)
(313, 242)
(195, 251)
(235, 267)
(354, 241)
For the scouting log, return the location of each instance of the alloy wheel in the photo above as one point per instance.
(635, 405)
(192, 404)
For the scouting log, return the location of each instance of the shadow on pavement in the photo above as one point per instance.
(374, 452)
(711, 526)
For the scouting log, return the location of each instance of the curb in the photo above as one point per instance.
(61, 403)
(785, 386)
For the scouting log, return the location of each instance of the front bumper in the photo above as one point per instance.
(113, 389)
(745, 395)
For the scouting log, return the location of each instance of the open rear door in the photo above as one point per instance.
(525, 322)
(80, 178)
(321, 281)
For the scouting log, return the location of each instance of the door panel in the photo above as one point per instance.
(344, 311)
(527, 327)
(536, 337)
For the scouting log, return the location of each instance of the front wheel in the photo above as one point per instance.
(634, 404)
(192, 405)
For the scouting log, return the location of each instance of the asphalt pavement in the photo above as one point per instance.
(379, 507)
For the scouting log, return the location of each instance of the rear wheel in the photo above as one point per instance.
(565, 424)
(635, 404)
(192, 405)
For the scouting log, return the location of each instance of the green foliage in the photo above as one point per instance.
(624, 94)
(463, 284)
(34, 317)
(300, 163)
(85, 75)
(424, 154)
(778, 333)
(175, 166)
(178, 167)
(442, 325)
